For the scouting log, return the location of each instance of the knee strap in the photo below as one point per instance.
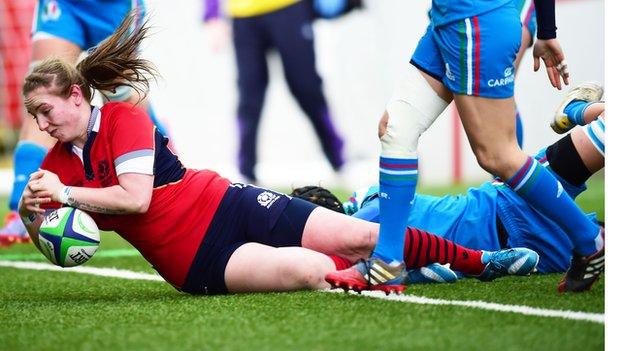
(414, 106)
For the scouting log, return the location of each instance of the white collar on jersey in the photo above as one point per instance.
(93, 126)
(94, 120)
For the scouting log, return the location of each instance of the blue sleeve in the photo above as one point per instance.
(370, 211)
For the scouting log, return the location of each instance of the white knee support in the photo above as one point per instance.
(122, 93)
(414, 106)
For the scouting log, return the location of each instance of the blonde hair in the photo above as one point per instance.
(113, 63)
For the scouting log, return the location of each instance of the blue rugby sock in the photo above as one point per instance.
(542, 191)
(26, 159)
(397, 184)
(575, 111)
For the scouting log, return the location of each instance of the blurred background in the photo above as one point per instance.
(360, 57)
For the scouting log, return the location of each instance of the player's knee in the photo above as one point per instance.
(361, 242)
(306, 273)
(383, 125)
(411, 110)
(494, 161)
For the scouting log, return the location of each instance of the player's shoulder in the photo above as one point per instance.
(115, 112)
(118, 109)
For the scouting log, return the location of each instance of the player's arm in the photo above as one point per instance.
(547, 47)
(31, 214)
(132, 195)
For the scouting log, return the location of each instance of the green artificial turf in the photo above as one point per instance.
(44, 310)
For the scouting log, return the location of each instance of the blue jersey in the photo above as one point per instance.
(447, 11)
(468, 220)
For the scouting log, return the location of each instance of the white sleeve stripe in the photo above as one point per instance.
(143, 165)
(133, 154)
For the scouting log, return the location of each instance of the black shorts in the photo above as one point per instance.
(246, 214)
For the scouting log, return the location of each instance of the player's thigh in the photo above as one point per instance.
(338, 234)
(592, 158)
(48, 47)
(255, 267)
(428, 59)
(490, 125)
(527, 41)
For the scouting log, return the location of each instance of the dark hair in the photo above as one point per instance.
(319, 196)
(113, 63)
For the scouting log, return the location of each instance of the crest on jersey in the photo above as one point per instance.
(51, 11)
(267, 198)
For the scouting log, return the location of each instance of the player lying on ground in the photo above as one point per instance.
(493, 216)
(203, 234)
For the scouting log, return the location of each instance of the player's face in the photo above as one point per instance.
(55, 115)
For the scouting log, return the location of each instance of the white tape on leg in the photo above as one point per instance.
(412, 109)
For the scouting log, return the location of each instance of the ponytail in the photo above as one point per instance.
(113, 63)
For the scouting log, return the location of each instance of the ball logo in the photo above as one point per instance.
(266, 199)
(84, 227)
(51, 219)
(80, 257)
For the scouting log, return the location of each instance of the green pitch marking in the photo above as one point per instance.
(105, 253)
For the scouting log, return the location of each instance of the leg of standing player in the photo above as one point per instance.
(250, 46)
(293, 36)
(487, 113)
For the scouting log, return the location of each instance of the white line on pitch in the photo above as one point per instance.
(103, 272)
(526, 310)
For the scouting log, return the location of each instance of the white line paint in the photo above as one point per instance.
(103, 272)
(526, 310)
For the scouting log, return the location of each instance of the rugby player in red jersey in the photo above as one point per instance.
(203, 234)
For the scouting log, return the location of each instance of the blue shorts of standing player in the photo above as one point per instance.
(84, 23)
(472, 56)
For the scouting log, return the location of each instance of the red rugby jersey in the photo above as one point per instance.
(122, 139)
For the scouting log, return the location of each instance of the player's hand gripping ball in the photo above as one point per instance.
(68, 237)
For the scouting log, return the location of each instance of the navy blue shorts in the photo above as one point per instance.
(246, 214)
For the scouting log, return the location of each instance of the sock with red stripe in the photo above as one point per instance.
(422, 248)
(540, 189)
(397, 185)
